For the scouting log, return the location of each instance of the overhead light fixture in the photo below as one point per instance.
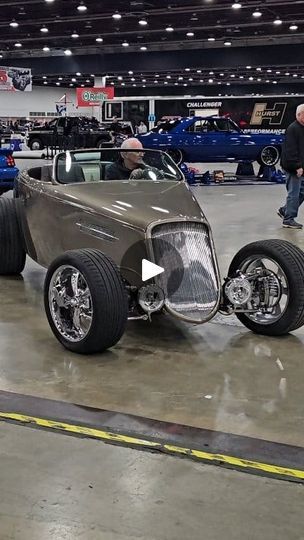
(169, 29)
(99, 39)
(269, 70)
(18, 44)
(143, 48)
(257, 13)
(210, 81)
(156, 75)
(143, 22)
(82, 7)
(180, 78)
(187, 69)
(259, 69)
(132, 79)
(58, 83)
(88, 80)
(198, 71)
(44, 77)
(295, 75)
(293, 27)
(236, 5)
(45, 82)
(211, 39)
(278, 73)
(78, 74)
(227, 43)
(222, 74)
(190, 34)
(277, 21)
(248, 67)
(119, 78)
(49, 1)
(44, 29)
(68, 52)
(116, 16)
(130, 72)
(14, 24)
(250, 79)
(46, 49)
(75, 35)
(274, 82)
(73, 80)
(125, 44)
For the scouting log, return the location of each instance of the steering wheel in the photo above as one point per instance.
(149, 173)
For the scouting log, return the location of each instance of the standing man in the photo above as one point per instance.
(292, 161)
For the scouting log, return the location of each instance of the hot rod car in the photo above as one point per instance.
(93, 234)
(212, 139)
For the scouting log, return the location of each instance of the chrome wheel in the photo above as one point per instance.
(274, 289)
(270, 156)
(70, 303)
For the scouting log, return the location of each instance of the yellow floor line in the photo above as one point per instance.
(172, 449)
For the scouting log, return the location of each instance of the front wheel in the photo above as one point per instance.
(85, 301)
(12, 252)
(269, 156)
(275, 268)
(35, 144)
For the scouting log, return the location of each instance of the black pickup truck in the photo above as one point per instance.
(70, 131)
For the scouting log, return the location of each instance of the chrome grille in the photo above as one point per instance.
(190, 280)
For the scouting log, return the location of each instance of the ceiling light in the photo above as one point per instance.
(119, 78)
(73, 80)
(257, 13)
(78, 74)
(190, 34)
(46, 49)
(49, 1)
(278, 72)
(198, 71)
(248, 67)
(227, 43)
(250, 79)
(133, 84)
(143, 48)
(44, 77)
(236, 5)
(143, 22)
(144, 80)
(75, 35)
(45, 82)
(123, 84)
(82, 7)
(18, 44)
(277, 21)
(169, 29)
(88, 80)
(99, 39)
(82, 86)
(130, 72)
(60, 79)
(211, 39)
(71, 84)
(187, 69)
(221, 74)
(168, 77)
(293, 27)
(156, 81)
(210, 81)
(116, 16)
(232, 76)
(68, 52)
(287, 73)
(274, 82)
(241, 77)
(211, 72)
(58, 83)
(14, 24)
(125, 44)
(157, 75)
(269, 70)
(44, 29)
(165, 82)
(132, 79)
(259, 69)
(259, 80)
(201, 80)
(180, 78)
(295, 75)
(190, 79)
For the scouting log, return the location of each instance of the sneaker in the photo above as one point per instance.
(292, 224)
(281, 213)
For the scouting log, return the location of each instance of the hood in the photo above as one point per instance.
(134, 203)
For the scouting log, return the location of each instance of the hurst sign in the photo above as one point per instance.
(272, 115)
(93, 97)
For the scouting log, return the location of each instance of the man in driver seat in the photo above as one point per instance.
(129, 163)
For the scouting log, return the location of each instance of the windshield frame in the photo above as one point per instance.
(179, 177)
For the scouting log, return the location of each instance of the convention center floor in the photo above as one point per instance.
(216, 392)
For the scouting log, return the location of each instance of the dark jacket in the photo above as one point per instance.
(117, 171)
(293, 148)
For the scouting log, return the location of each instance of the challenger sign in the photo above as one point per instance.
(93, 97)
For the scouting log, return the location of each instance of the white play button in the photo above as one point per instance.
(150, 270)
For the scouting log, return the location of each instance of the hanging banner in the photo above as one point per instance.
(13, 79)
(93, 97)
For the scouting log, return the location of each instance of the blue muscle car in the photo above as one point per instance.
(8, 170)
(212, 139)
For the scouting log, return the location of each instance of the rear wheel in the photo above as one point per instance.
(269, 156)
(284, 290)
(12, 252)
(85, 301)
(176, 155)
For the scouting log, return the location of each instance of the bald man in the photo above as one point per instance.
(128, 162)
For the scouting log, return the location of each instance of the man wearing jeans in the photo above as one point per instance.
(292, 161)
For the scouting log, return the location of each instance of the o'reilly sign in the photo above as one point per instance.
(92, 97)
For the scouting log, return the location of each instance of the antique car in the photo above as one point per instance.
(95, 236)
(212, 139)
(8, 170)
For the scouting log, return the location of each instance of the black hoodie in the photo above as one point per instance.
(292, 157)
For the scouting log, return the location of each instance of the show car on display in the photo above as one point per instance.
(119, 249)
(8, 171)
(212, 139)
(81, 130)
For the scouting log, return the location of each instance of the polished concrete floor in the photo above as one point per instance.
(217, 376)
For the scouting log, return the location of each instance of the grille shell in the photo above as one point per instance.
(192, 292)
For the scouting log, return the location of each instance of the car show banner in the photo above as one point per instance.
(13, 79)
(93, 97)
